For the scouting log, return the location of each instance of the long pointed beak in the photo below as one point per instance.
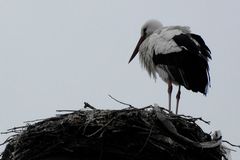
(135, 52)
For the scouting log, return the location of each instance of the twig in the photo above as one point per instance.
(7, 140)
(14, 130)
(66, 110)
(234, 145)
(101, 128)
(87, 105)
(36, 120)
(146, 141)
(157, 146)
(193, 118)
(121, 102)
(198, 118)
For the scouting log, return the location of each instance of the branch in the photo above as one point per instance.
(120, 101)
(32, 121)
(87, 105)
(66, 110)
(193, 118)
(100, 129)
(234, 145)
(146, 141)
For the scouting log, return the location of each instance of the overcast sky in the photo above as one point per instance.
(56, 54)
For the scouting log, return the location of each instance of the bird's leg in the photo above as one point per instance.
(170, 87)
(178, 98)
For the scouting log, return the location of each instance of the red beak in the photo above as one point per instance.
(135, 52)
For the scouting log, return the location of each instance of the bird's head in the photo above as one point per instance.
(147, 29)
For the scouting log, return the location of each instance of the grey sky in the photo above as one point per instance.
(56, 54)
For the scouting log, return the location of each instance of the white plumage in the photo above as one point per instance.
(176, 55)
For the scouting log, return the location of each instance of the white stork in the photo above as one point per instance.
(174, 53)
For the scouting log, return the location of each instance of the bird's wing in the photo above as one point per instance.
(186, 56)
(194, 44)
(162, 42)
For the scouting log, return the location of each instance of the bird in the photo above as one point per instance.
(177, 55)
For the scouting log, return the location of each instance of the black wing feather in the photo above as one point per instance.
(184, 41)
(188, 67)
(203, 47)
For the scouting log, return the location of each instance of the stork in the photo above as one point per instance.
(177, 55)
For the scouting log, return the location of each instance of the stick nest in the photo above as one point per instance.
(142, 134)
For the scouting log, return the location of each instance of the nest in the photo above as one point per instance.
(148, 133)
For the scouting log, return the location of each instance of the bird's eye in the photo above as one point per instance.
(144, 30)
